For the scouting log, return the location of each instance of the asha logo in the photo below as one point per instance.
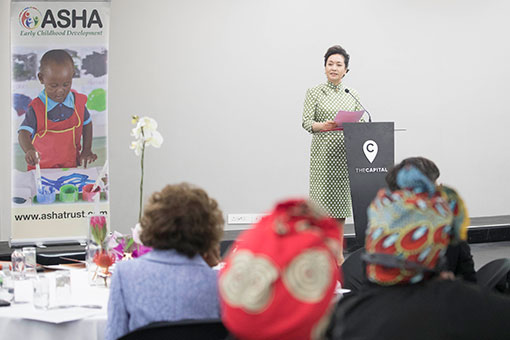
(30, 18)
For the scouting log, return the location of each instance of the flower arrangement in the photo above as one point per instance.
(125, 247)
(102, 257)
(98, 229)
(146, 134)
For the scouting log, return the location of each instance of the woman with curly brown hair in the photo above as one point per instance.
(174, 281)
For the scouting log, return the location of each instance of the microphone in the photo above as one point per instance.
(357, 101)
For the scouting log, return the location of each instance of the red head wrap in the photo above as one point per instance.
(280, 277)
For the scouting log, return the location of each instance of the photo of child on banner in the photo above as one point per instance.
(57, 118)
(57, 129)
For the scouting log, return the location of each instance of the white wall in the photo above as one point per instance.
(226, 81)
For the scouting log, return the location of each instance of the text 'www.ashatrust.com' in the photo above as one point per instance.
(55, 215)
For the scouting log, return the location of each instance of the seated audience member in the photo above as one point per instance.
(279, 280)
(406, 298)
(173, 282)
(458, 256)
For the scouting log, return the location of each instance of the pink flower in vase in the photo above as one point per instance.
(126, 247)
(119, 249)
(98, 228)
(99, 221)
(141, 250)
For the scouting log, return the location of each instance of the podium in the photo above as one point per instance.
(370, 150)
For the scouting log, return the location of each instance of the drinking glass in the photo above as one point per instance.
(62, 287)
(18, 265)
(41, 292)
(23, 290)
(30, 261)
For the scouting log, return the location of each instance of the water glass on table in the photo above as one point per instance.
(18, 264)
(30, 261)
(62, 287)
(41, 292)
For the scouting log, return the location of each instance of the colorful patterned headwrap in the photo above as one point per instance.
(410, 229)
(280, 276)
(460, 214)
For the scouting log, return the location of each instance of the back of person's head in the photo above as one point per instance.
(410, 229)
(182, 217)
(426, 166)
(280, 276)
(57, 57)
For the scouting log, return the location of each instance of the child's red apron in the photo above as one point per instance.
(58, 143)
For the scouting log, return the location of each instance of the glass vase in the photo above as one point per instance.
(99, 257)
(99, 261)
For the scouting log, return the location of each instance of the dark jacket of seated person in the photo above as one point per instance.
(174, 281)
(409, 231)
(460, 261)
(430, 310)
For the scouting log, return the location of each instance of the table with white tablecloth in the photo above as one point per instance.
(23, 321)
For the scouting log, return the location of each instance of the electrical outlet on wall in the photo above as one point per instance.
(244, 218)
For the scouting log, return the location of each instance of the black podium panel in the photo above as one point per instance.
(370, 151)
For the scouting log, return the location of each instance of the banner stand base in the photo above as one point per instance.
(42, 243)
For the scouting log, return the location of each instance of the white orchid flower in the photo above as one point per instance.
(136, 132)
(146, 134)
(112, 242)
(137, 146)
(135, 232)
(148, 124)
(146, 129)
(155, 139)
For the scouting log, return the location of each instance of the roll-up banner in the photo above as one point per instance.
(59, 118)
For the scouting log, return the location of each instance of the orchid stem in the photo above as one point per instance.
(141, 183)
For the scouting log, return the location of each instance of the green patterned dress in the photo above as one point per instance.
(329, 180)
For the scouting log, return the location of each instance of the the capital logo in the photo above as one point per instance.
(370, 150)
(30, 18)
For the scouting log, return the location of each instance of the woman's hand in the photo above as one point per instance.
(446, 275)
(324, 126)
(340, 259)
(329, 125)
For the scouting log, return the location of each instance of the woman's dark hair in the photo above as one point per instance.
(426, 166)
(337, 49)
(184, 218)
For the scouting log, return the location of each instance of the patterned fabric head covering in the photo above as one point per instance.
(460, 214)
(280, 277)
(410, 229)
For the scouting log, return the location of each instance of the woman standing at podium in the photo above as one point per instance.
(329, 180)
